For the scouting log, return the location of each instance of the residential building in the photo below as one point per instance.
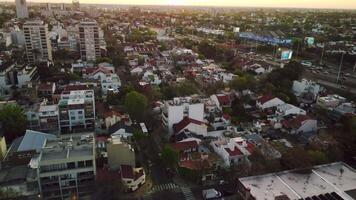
(175, 110)
(330, 181)
(67, 168)
(268, 101)
(77, 110)
(306, 86)
(19, 76)
(120, 153)
(43, 117)
(330, 101)
(300, 124)
(38, 45)
(21, 9)
(89, 40)
(132, 177)
(289, 109)
(46, 90)
(191, 125)
(221, 100)
(233, 151)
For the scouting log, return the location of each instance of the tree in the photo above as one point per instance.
(296, 158)
(169, 156)
(13, 121)
(135, 104)
(318, 157)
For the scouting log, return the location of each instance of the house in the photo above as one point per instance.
(46, 90)
(185, 146)
(221, 100)
(175, 110)
(300, 124)
(289, 109)
(192, 125)
(268, 101)
(233, 151)
(330, 101)
(132, 177)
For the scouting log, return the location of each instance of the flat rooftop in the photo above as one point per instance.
(336, 178)
(68, 147)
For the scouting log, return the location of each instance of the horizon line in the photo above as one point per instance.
(186, 5)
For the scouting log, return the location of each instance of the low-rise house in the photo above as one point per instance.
(221, 100)
(233, 151)
(192, 125)
(300, 124)
(268, 101)
(330, 101)
(132, 177)
(289, 109)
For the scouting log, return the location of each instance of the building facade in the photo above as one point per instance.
(21, 9)
(89, 40)
(38, 45)
(77, 111)
(67, 168)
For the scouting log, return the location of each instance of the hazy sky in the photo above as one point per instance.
(350, 4)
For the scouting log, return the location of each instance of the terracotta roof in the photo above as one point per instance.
(223, 99)
(250, 147)
(184, 123)
(45, 86)
(102, 69)
(234, 152)
(265, 98)
(111, 113)
(182, 146)
(75, 87)
(89, 70)
(226, 116)
(295, 122)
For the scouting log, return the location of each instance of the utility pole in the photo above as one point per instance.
(322, 55)
(338, 75)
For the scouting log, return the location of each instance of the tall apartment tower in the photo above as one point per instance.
(38, 45)
(21, 9)
(89, 40)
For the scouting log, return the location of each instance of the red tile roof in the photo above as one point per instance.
(235, 152)
(45, 86)
(182, 146)
(265, 98)
(223, 99)
(184, 123)
(295, 122)
(68, 88)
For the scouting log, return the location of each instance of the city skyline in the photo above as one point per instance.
(327, 4)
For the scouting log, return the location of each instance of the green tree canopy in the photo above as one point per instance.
(13, 121)
(169, 156)
(135, 104)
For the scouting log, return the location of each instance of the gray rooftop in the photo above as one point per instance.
(34, 140)
(335, 177)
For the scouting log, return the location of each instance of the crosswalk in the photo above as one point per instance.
(172, 187)
(168, 186)
(187, 193)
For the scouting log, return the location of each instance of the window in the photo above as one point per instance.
(71, 165)
(81, 164)
(88, 163)
(72, 118)
(80, 112)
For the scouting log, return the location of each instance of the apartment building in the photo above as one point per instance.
(38, 45)
(77, 111)
(175, 110)
(89, 40)
(67, 168)
(21, 9)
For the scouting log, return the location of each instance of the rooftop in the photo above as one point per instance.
(323, 179)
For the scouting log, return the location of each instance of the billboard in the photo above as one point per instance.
(309, 41)
(286, 54)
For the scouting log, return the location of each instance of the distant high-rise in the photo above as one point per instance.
(89, 40)
(76, 5)
(38, 46)
(21, 9)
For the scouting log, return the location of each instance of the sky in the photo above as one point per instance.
(337, 4)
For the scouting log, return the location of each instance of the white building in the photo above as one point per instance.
(77, 110)
(38, 45)
(305, 86)
(21, 9)
(233, 151)
(268, 101)
(89, 40)
(330, 101)
(289, 109)
(175, 110)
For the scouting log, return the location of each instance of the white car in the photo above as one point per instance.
(211, 194)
